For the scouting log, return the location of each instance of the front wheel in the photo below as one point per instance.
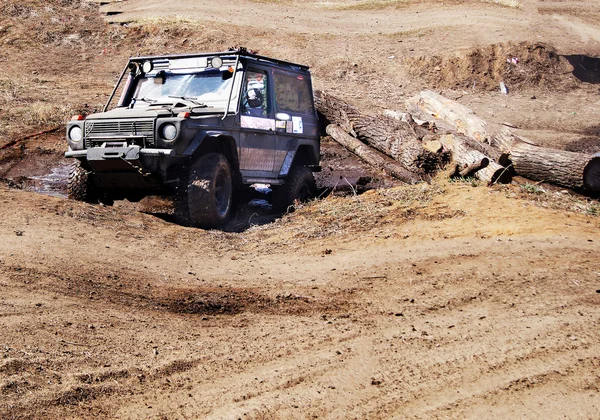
(80, 186)
(299, 185)
(209, 191)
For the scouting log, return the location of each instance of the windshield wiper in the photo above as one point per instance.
(190, 99)
(144, 99)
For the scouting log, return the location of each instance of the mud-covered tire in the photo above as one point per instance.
(209, 192)
(80, 186)
(299, 185)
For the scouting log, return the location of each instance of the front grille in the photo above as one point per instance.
(99, 131)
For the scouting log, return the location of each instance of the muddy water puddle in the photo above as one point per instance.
(53, 184)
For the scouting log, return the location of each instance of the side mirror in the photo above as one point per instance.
(160, 77)
(227, 75)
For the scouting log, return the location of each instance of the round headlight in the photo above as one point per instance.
(169, 132)
(75, 134)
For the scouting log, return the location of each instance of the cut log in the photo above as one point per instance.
(577, 171)
(567, 169)
(371, 156)
(397, 139)
(461, 155)
(472, 162)
(431, 106)
(459, 116)
(470, 169)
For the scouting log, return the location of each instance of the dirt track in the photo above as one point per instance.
(434, 312)
(448, 300)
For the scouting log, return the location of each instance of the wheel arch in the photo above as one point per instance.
(306, 155)
(218, 143)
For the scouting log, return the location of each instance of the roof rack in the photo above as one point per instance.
(241, 51)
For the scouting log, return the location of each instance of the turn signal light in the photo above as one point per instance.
(184, 115)
(77, 118)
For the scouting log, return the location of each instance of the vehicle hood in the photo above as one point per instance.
(153, 112)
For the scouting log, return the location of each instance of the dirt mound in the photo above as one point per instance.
(519, 66)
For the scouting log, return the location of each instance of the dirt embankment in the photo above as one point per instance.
(447, 299)
(520, 66)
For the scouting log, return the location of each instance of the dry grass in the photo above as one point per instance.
(550, 197)
(34, 93)
(165, 21)
(384, 210)
(44, 113)
(57, 22)
(369, 4)
(341, 216)
(10, 90)
(545, 196)
(179, 35)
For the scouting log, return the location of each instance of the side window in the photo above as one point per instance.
(255, 96)
(292, 94)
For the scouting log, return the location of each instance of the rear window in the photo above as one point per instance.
(292, 93)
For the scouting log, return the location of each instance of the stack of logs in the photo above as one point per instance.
(436, 130)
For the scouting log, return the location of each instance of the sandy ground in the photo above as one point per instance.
(442, 300)
(441, 311)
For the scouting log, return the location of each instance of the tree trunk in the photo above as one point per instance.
(577, 171)
(458, 116)
(430, 106)
(397, 139)
(568, 169)
(371, 156)
(472, 162)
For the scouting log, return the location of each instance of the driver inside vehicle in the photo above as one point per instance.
(254, 101)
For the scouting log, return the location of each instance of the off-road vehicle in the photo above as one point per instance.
(198, 127)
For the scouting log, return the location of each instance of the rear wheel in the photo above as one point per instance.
(299, 185)
(208, 196)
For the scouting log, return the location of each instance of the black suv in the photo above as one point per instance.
(198, 127)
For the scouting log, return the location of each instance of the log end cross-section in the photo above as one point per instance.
(591, 174)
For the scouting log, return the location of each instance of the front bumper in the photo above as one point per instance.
(127, 167)
(127, 153)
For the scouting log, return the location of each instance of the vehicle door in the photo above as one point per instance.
(257, 123)
(296, 121)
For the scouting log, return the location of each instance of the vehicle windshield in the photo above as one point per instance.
(205, 88)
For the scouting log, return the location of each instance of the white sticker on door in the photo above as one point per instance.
(297, 125)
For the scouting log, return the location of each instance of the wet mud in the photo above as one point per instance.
(45, 170)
